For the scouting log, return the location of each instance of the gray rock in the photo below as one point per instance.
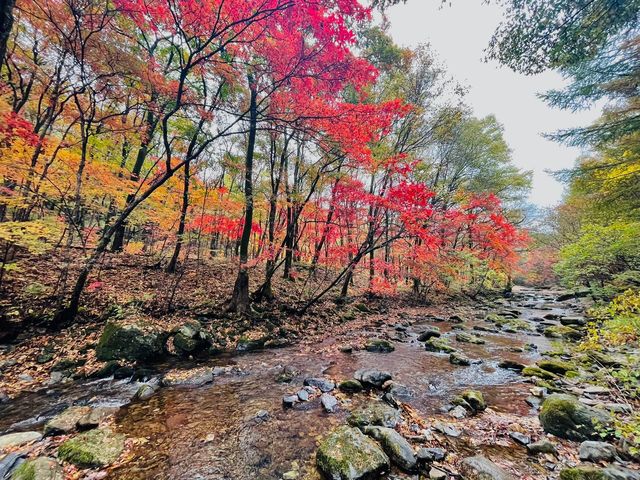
(394, 445)
(520, 438)
(329, 402)
(348, 454)
(372, 377)
(18, 439)
(429, 333)
(481, 468)
(542, 446)
(458, 412)
(428, 455)
(565, 417)
(323, 384)
(447, 429)
(437, 474)
(303, 395)
(93, 418)
(10, 462)
(145, 392)
(65, 422)
(616, 472)
(593, 451)
(290, 400)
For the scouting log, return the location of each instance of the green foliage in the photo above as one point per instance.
(605, 258)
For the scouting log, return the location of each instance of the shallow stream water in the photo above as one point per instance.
(237, 428)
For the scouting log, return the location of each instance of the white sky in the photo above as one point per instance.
(458, 34)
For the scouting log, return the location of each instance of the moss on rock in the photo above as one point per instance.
(380, 346)
(565, 417)
(40, 468)
(582, 473)
(130, 341)
(93, 449)
(348, 454)
(375, 413)
(534, 371)
(556, 366)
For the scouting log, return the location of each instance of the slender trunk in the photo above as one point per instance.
(240, 299)
(6, 23)
(171, 267)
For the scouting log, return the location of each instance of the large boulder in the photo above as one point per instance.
(440, 345)
(555, 366)
(130, 341)
(93, 449)
(565, 417)
(375, 413)
(394, 445)
(348, 454)
(40, 468)
(481, 468)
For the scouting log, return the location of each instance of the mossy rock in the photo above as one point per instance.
(348, 454)
(350, 386)
(40, 468)
(562, 331)
(534, 371)
(93, 449)
(494, 318)
(130, 341)
(582, 473)
(566, 417)
(380, 346)
(556, 366)
(475, 399)
(375, 413)
(464, 337)
(438, 345)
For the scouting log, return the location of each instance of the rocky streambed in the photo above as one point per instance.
(482, 392)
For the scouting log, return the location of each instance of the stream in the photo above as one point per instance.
(237, 428)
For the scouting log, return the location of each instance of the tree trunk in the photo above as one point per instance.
(240, 299)
(171, 267)
(6, 23)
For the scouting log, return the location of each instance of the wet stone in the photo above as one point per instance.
(290, 400)
(350, 386)
(372, 378)
(303, 395)
(323, 384)
(457, 358)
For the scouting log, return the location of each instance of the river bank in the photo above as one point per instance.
(261, 414)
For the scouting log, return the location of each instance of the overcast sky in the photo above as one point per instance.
(459, 34)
